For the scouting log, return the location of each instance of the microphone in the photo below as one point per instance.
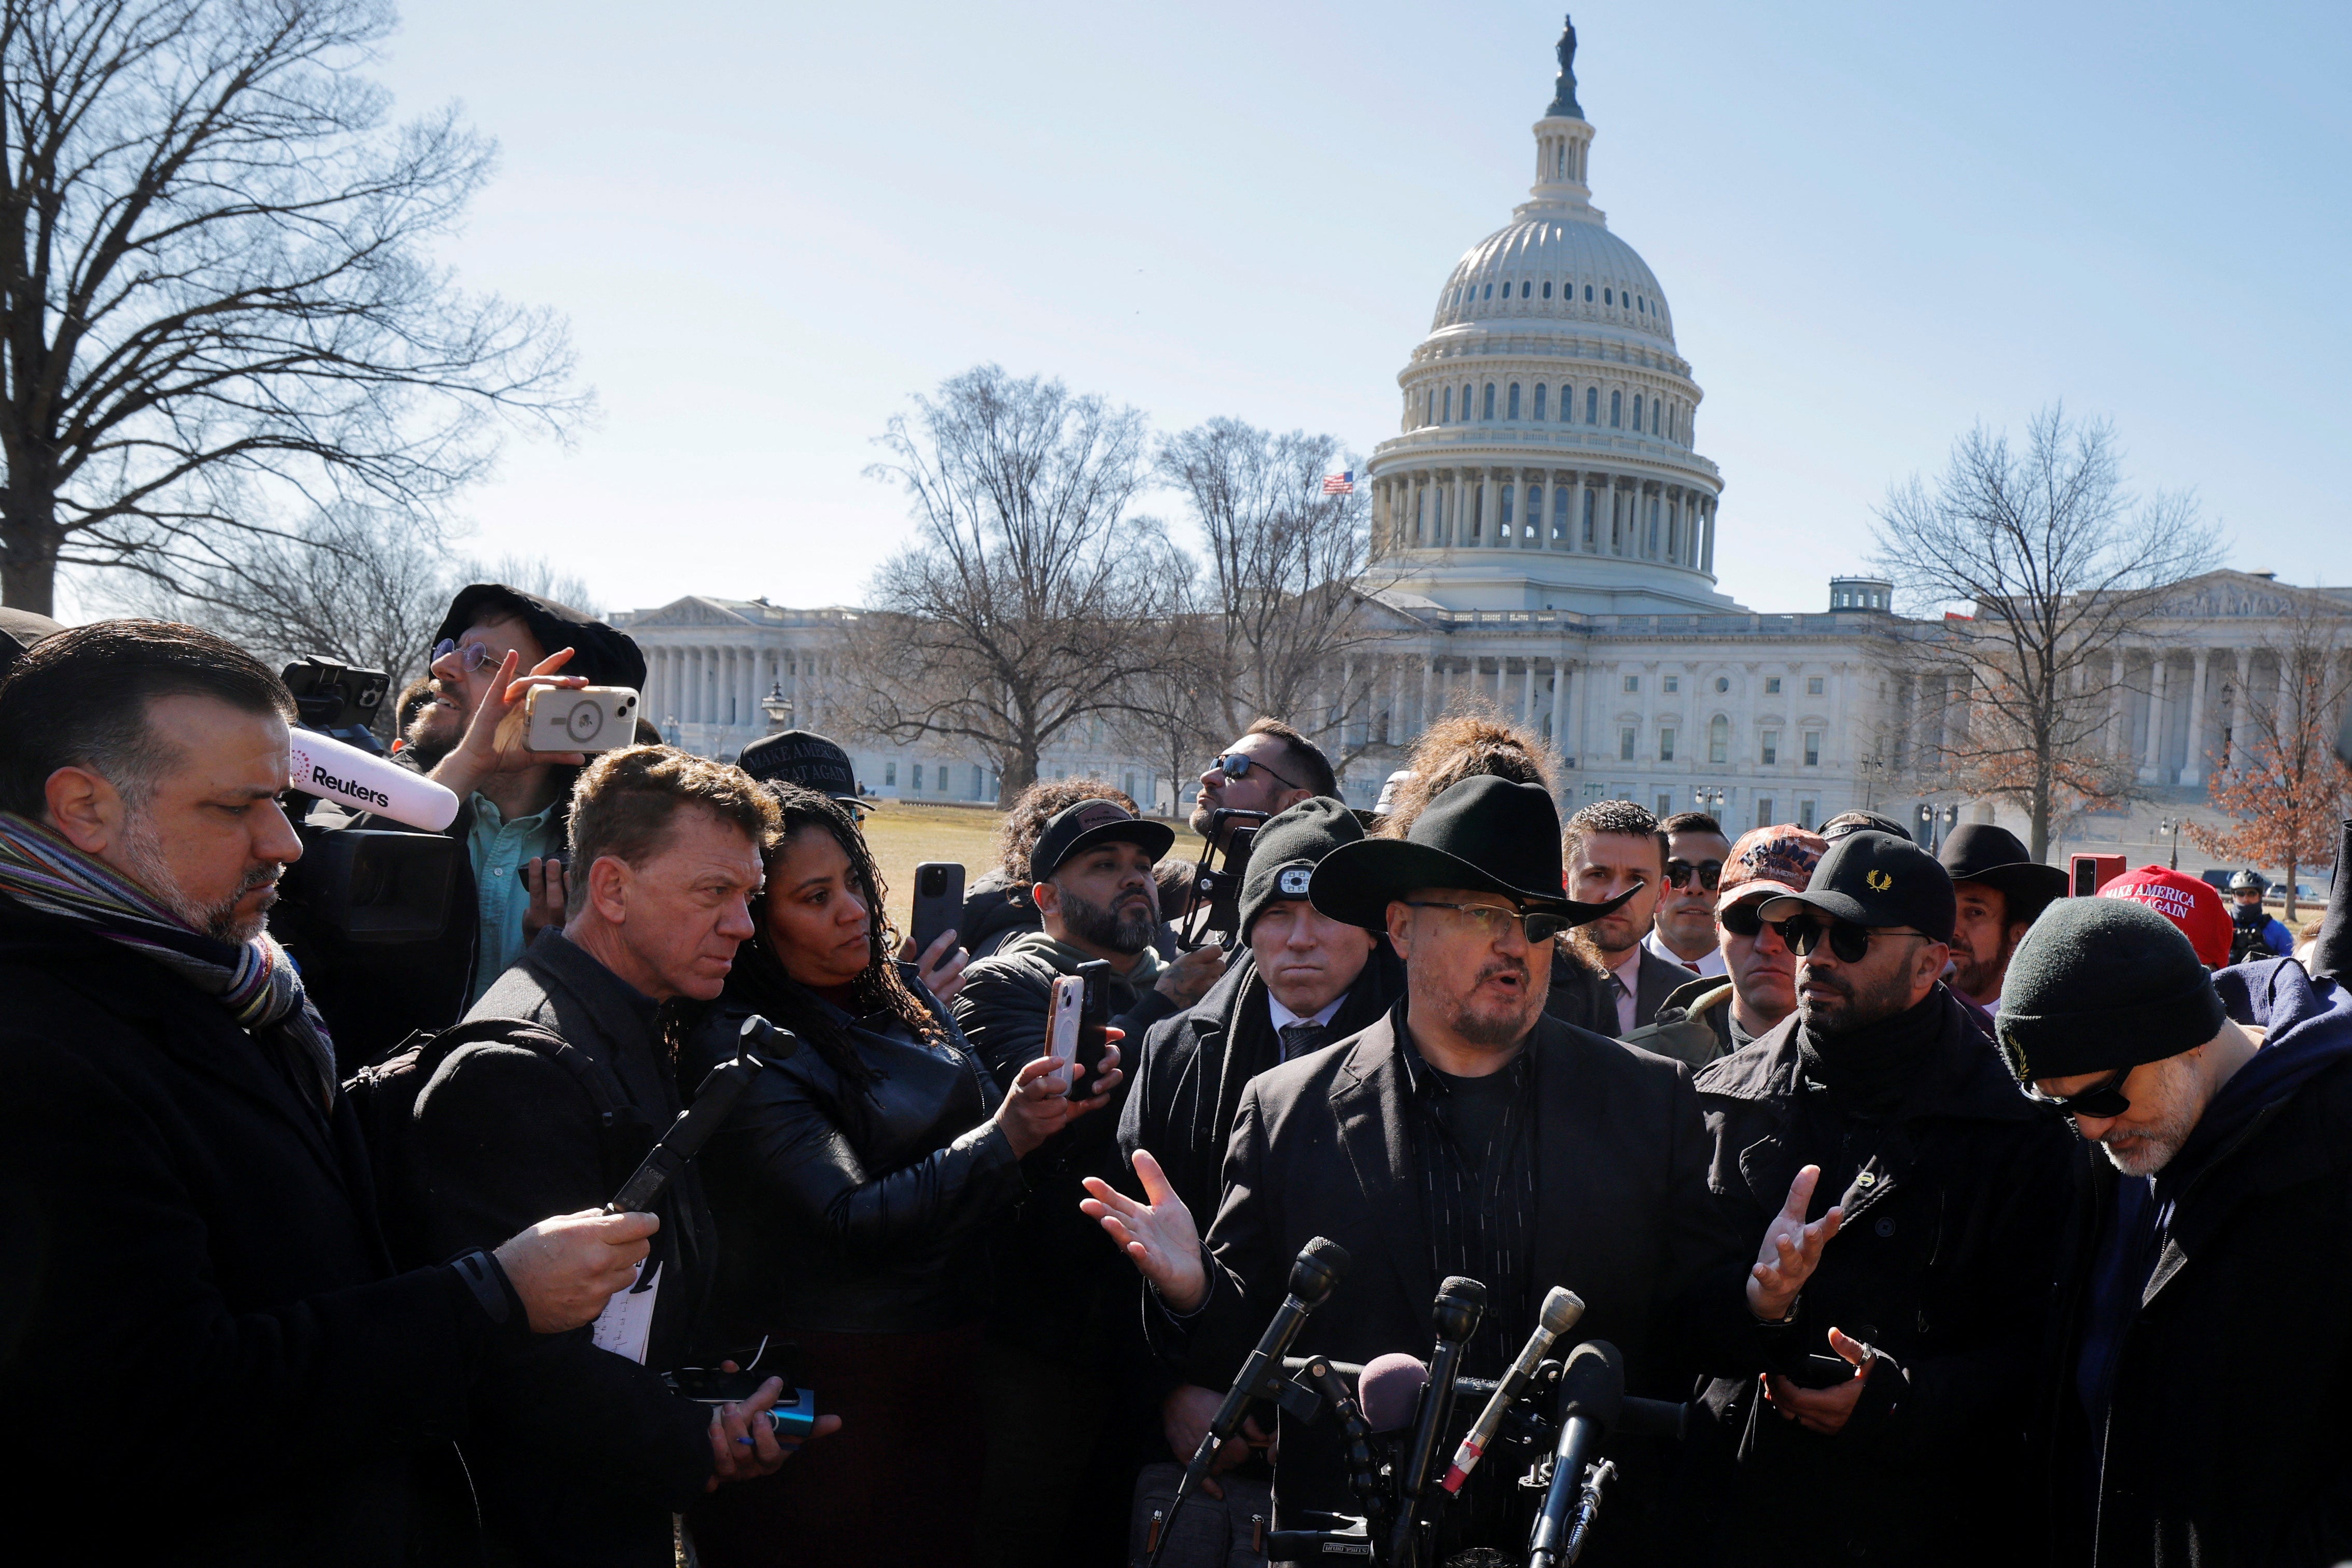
(1591, 1393)
(1562, 1309)
(1313, 1275)
(1389, 1390)
(322, 766)
(1460, 1304)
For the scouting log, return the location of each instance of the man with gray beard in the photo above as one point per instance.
(2205, 1308)
(186, 1213)
(1063, 1304)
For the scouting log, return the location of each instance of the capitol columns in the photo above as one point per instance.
(2192, 768)
(2151, 768)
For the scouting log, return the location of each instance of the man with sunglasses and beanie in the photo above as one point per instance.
(1466, 1132)
(494, 647)
(1271, 768)
(2204, 1319)
(1888, 1417)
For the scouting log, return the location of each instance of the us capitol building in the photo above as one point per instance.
(1543, 544)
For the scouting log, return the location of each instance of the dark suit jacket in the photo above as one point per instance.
(190, 1268)
(580, 1455)
(1582, 997)
(1624, 1219)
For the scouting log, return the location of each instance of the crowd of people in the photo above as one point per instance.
(1972, 1222)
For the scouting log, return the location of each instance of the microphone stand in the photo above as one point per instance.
(1460, 1304)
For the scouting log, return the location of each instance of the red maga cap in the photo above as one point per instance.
(2195, 907)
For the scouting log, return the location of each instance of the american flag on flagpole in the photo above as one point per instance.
(1339, 484)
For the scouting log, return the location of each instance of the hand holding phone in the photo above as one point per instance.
(1093, 1019)
(1062, 1022)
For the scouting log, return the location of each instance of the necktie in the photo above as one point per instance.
(1302, 1036)
(1689, 965)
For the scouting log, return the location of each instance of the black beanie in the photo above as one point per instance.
(1287, 849)
(2103, 984)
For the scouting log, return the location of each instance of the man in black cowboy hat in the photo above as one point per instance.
(1889, 1414)
(1466, 1132)
(2002, 892)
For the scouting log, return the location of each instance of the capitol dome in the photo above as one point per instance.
(1564, 267)
(1547, 414)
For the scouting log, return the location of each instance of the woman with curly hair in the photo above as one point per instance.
(853, 1189)
(1462, 746)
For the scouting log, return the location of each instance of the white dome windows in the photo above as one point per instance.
(1539, 403)
(1547, 289)
(1487, 408)
(1616, 410)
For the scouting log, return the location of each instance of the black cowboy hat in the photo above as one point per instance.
(1980, 852)
(1486, 833)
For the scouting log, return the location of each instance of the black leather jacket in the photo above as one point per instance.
(854, 1210)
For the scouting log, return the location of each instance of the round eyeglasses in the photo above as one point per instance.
(1849, 941)
(470, 657)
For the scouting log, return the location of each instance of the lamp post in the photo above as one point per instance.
(2170, 829)
(1709, 798)
(778, 708)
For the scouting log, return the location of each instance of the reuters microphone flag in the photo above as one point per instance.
(322, 766)
(1340, 484)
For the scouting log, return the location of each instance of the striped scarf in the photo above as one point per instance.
(255, 981)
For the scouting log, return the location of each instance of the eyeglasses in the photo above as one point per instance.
(1743, 918)
(1237, 765)
(1493, 920)
(1850, 943)
(1680, 872)
(2100, 1101)
(470, 657)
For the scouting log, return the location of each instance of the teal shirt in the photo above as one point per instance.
(497, 848)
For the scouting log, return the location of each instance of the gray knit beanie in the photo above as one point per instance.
(2103, 984)
(1286, 850)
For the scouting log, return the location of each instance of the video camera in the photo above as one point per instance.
(338, 700)
(359, 884)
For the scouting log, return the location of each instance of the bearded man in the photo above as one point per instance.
(1063, 1308)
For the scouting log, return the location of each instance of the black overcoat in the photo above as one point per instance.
(205, 1353)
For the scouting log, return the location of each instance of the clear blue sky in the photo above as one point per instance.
(1877, 224)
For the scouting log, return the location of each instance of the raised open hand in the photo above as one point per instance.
(1156, 1234)
(1791, 1250)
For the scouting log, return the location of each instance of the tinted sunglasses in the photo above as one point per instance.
(2101, 1100)
(1743, 918)
(471, 657)
(1850, 943)
(1493, 919)
(1237, 765)
(1680, 872)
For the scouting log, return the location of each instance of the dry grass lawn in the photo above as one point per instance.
(905, 834)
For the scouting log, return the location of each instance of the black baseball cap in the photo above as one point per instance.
(802, 757)
(1093, 822)
(1869, 879)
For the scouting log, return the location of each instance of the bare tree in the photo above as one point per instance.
(215, 308)
(534, 575)
(2054, 561)
(349, 585)
(1033, 597)
(1174, 715)
(1290, 632)
(2279, 777)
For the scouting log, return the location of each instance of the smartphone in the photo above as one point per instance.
(1061, 1025)
(1094, 1018)
(1823, 1372)
(580, 719)
(939, 903)
(794, 1415)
